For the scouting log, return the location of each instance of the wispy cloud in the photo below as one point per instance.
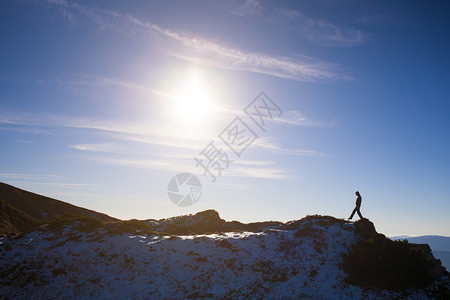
(186, 163)
(59, 184)
(246, 8)
(94, 81)
(260, 173)
(318, 31)
(145, 134)
(328, 34)
(265, 144)
(203, 51)
(254, 162)
(217, 55)
(386, 19)
(268, 11)
(114, 126)
(151, 164)
(234, 162)
(289, 117)
(24, 129)
(41, 179)
(104, 147)
(109, 197)
(175, 166)
(28, 176)
(170, 140)
(286, 13)
(232, 186)
(294, 117)
(113, 82)
(175, 162)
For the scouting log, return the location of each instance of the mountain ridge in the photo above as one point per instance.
(315, 256)
(203, 256)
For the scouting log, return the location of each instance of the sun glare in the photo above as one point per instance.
(192, 100)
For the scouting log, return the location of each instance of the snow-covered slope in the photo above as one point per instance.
(300, 261)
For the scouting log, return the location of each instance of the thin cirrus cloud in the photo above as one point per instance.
(294, 117)
(113, 82)
(165, 136)
(227, 185)
(328, 34)
(41, 180)
(104, 147)
(262, 173)
(246, 169)
(134, 132)
(203, 51)
(290, 117)
(265, 144)
(217, 55)
(246, 8)
(174, 166)
(61, 184)
(28, 176)
(318, 31)
(94, 81)
(177, 162)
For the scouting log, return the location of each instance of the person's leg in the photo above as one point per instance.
(353, 213)
(359, 214)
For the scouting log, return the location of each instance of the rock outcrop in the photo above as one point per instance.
(435, 268)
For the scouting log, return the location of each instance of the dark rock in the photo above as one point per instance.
(209, 214)
(365, 229)
(206, 221)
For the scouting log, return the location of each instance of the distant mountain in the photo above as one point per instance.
(44, 208)
(436, 242)
(399, 237)
(15, 221)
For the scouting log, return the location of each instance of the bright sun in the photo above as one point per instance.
(192, 100)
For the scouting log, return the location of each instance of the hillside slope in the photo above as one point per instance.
(13, 221)
(85, 258)
(44, 208)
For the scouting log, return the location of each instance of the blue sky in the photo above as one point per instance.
(103, 102)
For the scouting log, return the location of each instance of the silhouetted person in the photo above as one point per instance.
(358, 205)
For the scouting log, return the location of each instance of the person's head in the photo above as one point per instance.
(357, 193)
